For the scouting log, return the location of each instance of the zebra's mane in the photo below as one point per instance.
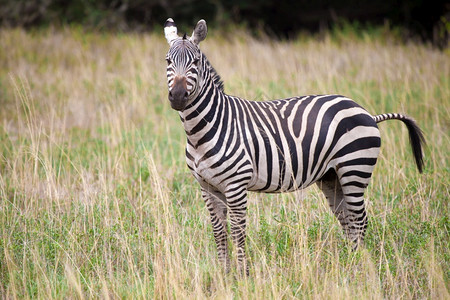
(214, 75)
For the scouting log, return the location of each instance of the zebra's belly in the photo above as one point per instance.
(260, 186)
(280, 182)
(229, 171)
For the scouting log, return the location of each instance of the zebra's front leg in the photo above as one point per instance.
(237, 203)
(218, 210)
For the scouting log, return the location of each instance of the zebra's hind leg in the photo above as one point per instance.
(346, 204)
(218, 210)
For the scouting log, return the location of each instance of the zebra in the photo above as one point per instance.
(236, 145)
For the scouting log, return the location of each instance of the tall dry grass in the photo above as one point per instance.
(96, 200)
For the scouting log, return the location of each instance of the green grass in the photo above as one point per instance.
(96, 200)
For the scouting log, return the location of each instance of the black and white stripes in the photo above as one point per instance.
(235, 145)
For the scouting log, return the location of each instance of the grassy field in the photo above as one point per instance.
(96, 199)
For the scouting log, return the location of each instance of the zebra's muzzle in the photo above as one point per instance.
(178, 95)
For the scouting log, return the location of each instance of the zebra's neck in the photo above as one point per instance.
(200, 116)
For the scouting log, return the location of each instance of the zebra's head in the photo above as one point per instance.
(183, 64)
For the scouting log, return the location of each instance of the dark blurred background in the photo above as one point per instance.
(420, 19)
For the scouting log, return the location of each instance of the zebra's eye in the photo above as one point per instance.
(168, 61)
(196, 60)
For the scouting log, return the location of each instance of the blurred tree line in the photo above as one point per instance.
(426, 19)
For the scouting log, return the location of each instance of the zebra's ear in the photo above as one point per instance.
(170, 30)
(199, 33)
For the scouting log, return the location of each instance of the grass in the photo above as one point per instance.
(96, 200)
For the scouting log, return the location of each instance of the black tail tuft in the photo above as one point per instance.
(417, 141)
(415, 135)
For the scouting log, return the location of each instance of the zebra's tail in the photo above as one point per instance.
(415, 134)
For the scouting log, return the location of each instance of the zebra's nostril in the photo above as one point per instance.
(186, 94)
